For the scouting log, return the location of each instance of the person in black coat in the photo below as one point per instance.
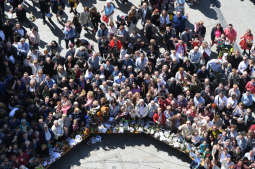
(15, 3)
(168, 36)
(7, 29)
(145, 13)
(155, 18)
(218, 27)
(21, 14)
(174, 87)
(44, 6)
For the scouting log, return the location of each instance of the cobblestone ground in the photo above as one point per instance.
(124, 152)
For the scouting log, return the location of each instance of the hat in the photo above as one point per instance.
(108, 1)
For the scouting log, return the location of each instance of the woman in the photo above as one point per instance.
(66, 104)
(112, 30)
(216, 32)
(69, 33)
(132, 19)
(77, 26)
(84, 18)
(34, 38)
(246, 42)
(95, 18)
(205, 50)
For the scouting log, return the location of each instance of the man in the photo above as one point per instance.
(230, 33)
(247, 98)
(221, 101)
(179, 22)
(141, 62)
(186, 37)
(145, 13)
(186, 130)
(168, 37)
(19, 32)
(199, 101)
(243, 65)
(195, 56)
(21, 14)
(44, 6)
(23, 48)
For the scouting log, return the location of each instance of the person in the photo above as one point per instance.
(84, 18)
(94, 17)
(44, 6)
(108, 11)
(21, 14)
(69, 33)
(145, 13)
(179, 22)
(246, 42)
(34, 38)
(216, 33)
(230, 33)
(132, 19)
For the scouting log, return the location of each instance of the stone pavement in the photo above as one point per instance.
(123, 152)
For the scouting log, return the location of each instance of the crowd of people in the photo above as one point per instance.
(165, 72)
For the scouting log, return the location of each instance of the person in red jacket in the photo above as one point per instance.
(251, 85)
(159, 117)
(181, 49)
(115, 43)
(115, 46)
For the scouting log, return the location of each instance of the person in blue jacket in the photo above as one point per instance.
(69, 33)
(179, 23)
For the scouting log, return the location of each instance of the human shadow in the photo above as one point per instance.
(205, 8)
(124, 7)
(32, 9)
(55, 30)
(90, 35)
(114, 141)
(88, 3)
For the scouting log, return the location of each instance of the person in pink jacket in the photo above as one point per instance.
(230, 33)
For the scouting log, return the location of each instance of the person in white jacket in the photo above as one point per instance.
(152, 108)
(57, 129)
(141, 109)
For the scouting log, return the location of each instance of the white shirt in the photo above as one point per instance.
(242, 66)
(220, 102)
(232, 102)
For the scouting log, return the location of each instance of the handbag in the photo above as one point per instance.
(105, 19)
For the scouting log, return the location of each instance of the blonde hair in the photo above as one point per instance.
(90, 94)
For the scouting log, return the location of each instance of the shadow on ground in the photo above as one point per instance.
(110, 142)
(205, 8)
